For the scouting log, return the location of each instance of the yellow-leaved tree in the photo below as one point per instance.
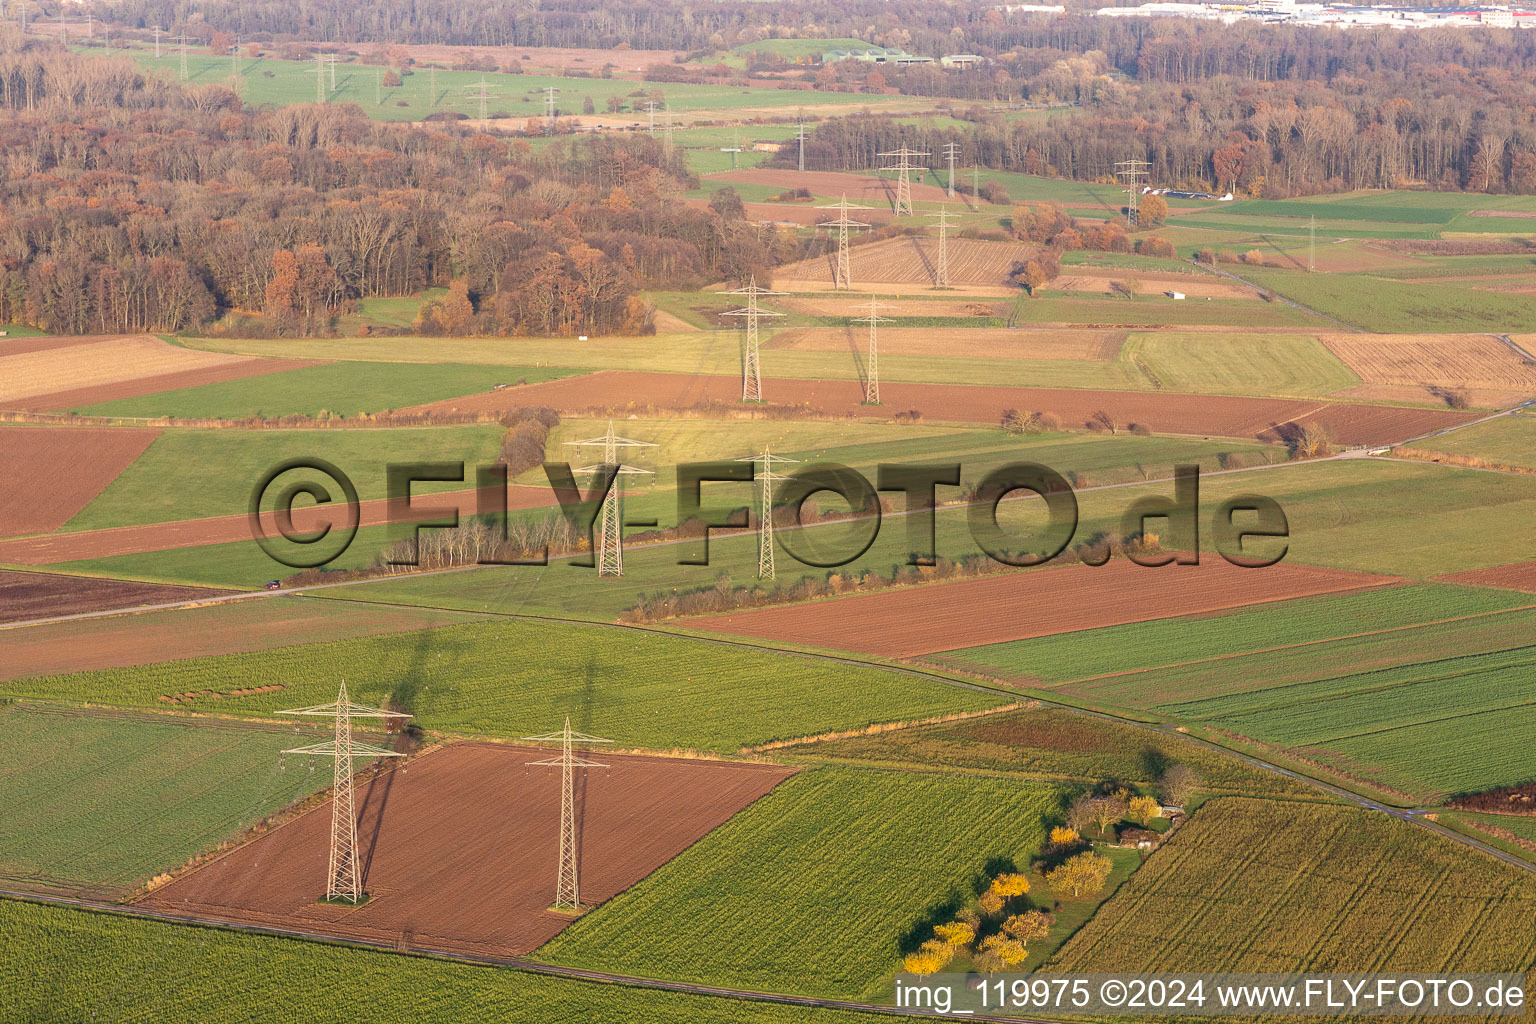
(1083, 875)
(1145, 808)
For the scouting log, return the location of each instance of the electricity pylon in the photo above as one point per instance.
(344, 878)
(567, 880)
(481, 92)
(735, 146)
(330, 62)
(872, 375)
(765, 570)
(951, 149)
(904, 168)
(549, 106)
(157, 39)
(941, 268)
(183, 41)
(800, 137)
(751, 376)
(842, 276)
(610, 542)
(650, 109)
(1133, 174)
(319, 78)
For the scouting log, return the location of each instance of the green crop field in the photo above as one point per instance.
(819, 887)
(1449, 724)
(174, 478)
(269, 80)
(1056, 745)
(344, 389)
(1255, 886)
(1508, 440)
(1397, 517)
(1381, 304)
(1112, 662)
(1290, 365)
(105, 967)
(99, 803)
(515, 678)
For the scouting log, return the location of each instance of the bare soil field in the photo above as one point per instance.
(918, 620)
(1373, 424)
(959, 342)
(1163, 412)
(1502, 213)
(21, 346)
(537, 58)
(864, 189)
(1101, 282)
(844, 306)
(459, 851)
(191, 533)
(1519, 576)
(106, 360)
(233, 627)
(36, 595)
(50, 473)
(912, 260)
(1434, 360)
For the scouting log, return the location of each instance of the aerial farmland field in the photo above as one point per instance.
(470, 552)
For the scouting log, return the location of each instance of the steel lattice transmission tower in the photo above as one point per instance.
(751, 375)
(800, 138)
(344, 878)
(941, 268)
(872, 373)
(951, 150)
(610, 541)
(482, 93)
(157, 35)
(182, 39)
(842, 275)
(904, 168)
(1133, 175)
(765, 569)
(319, 78)
(567, 880)
(549, 106)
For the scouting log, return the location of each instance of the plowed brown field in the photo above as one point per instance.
(49, 473)
(1101, 282)
(1205, 415)
(1519, 576)
(911, 260)
(959, 342)
(38, 595)
(191, 533)
(1040, 602)
(459, 851)
(843, 306)
(231, 627)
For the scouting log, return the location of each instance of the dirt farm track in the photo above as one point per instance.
(459, 850)
(1163, 412)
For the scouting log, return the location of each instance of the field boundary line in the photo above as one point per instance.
(879, 728)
